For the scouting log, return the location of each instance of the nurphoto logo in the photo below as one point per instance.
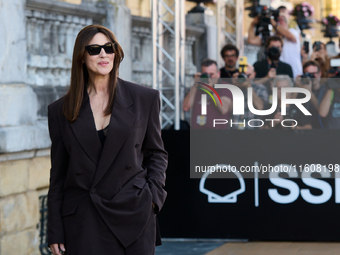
(238, 104)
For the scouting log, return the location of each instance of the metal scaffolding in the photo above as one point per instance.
(230, 15)
(169, 20)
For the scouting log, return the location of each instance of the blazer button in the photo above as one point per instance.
(128, 167)
(137, 145)
(93, 190)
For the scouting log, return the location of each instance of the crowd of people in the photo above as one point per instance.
(282, 62)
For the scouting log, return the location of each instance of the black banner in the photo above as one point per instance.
(302, 205)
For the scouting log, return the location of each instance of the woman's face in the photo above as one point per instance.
(101, 64)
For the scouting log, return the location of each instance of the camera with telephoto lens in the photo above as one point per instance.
(205, 76)
(273, 54)
(333, 82)
(265, 13)
(241, 78)
(306, 78)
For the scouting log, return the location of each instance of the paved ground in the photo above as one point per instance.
(278, 248)
(186, 248)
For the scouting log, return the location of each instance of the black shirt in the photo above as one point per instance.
(227, 74)
(262, 68)
(102, 135)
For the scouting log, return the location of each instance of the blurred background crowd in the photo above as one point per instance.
(285, 58)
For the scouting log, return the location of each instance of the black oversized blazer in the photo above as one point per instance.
(132, 158)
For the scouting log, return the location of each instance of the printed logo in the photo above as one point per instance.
(228, 198)
(204, 97)
(238, 107)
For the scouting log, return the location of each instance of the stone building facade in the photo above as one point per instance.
(36, 43)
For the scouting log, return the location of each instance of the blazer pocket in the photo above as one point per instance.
(143, 188)
(68, 209)
(139, 183)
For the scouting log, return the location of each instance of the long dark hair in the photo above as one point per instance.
(79, 73)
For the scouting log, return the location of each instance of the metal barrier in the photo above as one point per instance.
(43, 247)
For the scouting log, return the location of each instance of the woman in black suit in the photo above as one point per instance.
(107, 156)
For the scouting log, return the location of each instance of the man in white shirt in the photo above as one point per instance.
(291, 51)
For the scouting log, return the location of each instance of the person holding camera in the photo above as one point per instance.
(291, 39)
(292, 112)
(330, 104)
(291, 51)
(209, 74)
(267, 69)
(230, 54)
(311, 80)
(244, 80)
(257, 40)
(319, 55)
(337, 56)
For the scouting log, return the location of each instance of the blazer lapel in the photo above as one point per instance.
(84, 129)
(122, 120)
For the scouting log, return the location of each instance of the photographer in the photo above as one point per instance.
(270, 67)
(291, 39)
(260, 95)
(256, 39)
(292, 112)
(310, 80)
(209, 73)
(229, 53)
(330, 104)
(319, 55)
(291, 52)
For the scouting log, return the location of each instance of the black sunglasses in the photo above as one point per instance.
(95, 49)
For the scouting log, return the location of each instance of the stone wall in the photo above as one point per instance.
(51, 29)
(19, 207)
(22, 180)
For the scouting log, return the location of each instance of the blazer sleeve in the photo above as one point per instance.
(59, 165)
(155, 157)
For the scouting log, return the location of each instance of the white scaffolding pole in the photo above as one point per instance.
(234, 20)
(219, 29)
(239, 26)
(182, 53)
(168, 20)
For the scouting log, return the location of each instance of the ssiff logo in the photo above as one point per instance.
(216, 198)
